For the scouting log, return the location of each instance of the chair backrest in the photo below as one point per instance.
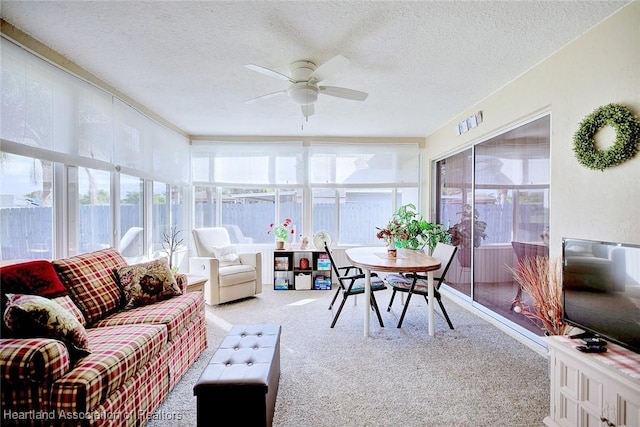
(236, 234)
(333, 264)
(445, 254)
(131, 244)
(208, 238)
(523, 250)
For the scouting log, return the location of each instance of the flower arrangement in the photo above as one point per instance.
(541, 279)
(408, 229)
(282, 231)
(394, 231)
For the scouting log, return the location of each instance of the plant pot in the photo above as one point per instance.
(392, 252)
(464, 257)
(279, 245)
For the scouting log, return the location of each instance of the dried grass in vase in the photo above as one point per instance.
(541, 279)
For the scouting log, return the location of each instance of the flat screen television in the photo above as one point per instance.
(601, 289)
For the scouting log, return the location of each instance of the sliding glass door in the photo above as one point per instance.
(501, 186)
(454, 180)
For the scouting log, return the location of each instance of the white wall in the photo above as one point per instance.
(601, 67)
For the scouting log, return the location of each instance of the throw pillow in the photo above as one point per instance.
(31, 316)
(33, 278)
(227, 255)
(147, 283)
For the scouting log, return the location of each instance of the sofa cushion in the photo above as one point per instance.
(118, 353)
(234, 274)
(175, 313)
(32, 316)
(92, 281)
(147, 283)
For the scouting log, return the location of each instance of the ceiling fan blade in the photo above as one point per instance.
(308, 110)
(332, 66)
(268, 72)
(343, 92)
(266, 96)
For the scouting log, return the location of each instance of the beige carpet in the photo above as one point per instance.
(474, 375)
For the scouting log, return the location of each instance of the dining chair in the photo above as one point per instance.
(353, 285)
(346, 271)
(417, 284)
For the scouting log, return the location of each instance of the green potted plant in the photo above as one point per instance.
(467, 234)
(417, 232)
(281, 232)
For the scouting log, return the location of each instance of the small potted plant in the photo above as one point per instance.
(171, 244)
(392, 234)
(412, 231)
(282, 232)
(467, 234)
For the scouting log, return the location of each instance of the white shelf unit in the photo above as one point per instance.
(593, 389)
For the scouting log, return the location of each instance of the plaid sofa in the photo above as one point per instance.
(137, 355)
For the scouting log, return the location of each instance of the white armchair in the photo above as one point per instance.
(231, 275)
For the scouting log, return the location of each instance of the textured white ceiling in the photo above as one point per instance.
(422, 62)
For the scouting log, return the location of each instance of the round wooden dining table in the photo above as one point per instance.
(375, 258)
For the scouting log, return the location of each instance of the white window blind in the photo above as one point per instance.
(46, 107)
(233, 163)
(361, 163)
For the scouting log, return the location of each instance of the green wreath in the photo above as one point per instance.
(625, 147)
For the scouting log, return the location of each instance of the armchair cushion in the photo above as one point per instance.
(235, 274)
(226, 254)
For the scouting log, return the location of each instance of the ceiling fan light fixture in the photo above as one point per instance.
(303, 93)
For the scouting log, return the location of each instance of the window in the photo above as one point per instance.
(94, 209)
(354, 187)
(26, 213)
(359, 212)
(160, 216)
(131, 243)
(49, 115)
(205, 206)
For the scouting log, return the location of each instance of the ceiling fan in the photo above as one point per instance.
(304, 78)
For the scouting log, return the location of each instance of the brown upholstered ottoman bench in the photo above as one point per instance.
(240, 383)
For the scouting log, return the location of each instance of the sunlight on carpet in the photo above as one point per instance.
(302, 302)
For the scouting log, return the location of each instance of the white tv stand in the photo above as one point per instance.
(593, 389)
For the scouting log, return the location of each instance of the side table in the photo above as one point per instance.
(195, 282)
